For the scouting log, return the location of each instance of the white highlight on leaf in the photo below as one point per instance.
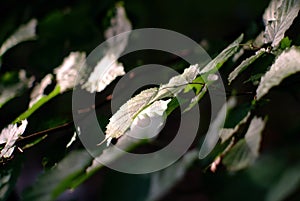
(121, 121)
(119, 24)
(286, 64)
(150, 121)
(245, 64)
(108, 68)
(178, 83)
(9, 136)
(278, 18)
(217, 62)
(9, 92)
(24, 33)
(212, 135)
(38, 91)
(68, 72)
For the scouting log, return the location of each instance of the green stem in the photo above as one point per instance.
(38, 104)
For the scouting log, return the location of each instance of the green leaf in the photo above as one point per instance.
(278, 18)
(8, 177)
(245, 64)
(217, 62)
(212, 135)
(24, 33)
(246, 150)
(53, 182)
(287, 184)
(226, 133)
(163, 181)
(285, 43)
(287, 63)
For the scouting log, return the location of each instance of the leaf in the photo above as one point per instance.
(245, 64)
(278, 18)
(162, 181)
(107, 68)
(226, 133)
(286, 64)
(119, 24)
(9, 136)
(287, 184)
(53, 182)
(246, 150)
(285, 43)
(196, 99)
(8, 177)
(121, 121)
(67, 74)
(217, 62)
(9, 92)
(178, 83)
(212, 135)
(38, 91)
(149, 122)
(24, 33)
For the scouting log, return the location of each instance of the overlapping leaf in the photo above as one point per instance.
(286, 64)
(278, 18)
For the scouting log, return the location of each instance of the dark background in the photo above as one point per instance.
(78, 25)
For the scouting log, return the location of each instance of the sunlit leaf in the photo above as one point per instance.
(9, 136)
(217, 62)
(178, 83)
(286, 64)
(278, 18)
(108, 68)
(38, 90)
(245, 64)
(121, 121)
(24, 33)
(67, 74)
(246, 150)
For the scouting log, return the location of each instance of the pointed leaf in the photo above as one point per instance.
(278, 18)
(121, 121)
(24, 33)
(108, 68)
(286, 64)
(212, 135)
(217, 62)
(245, 64)
(178, 83)
(245, 151)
